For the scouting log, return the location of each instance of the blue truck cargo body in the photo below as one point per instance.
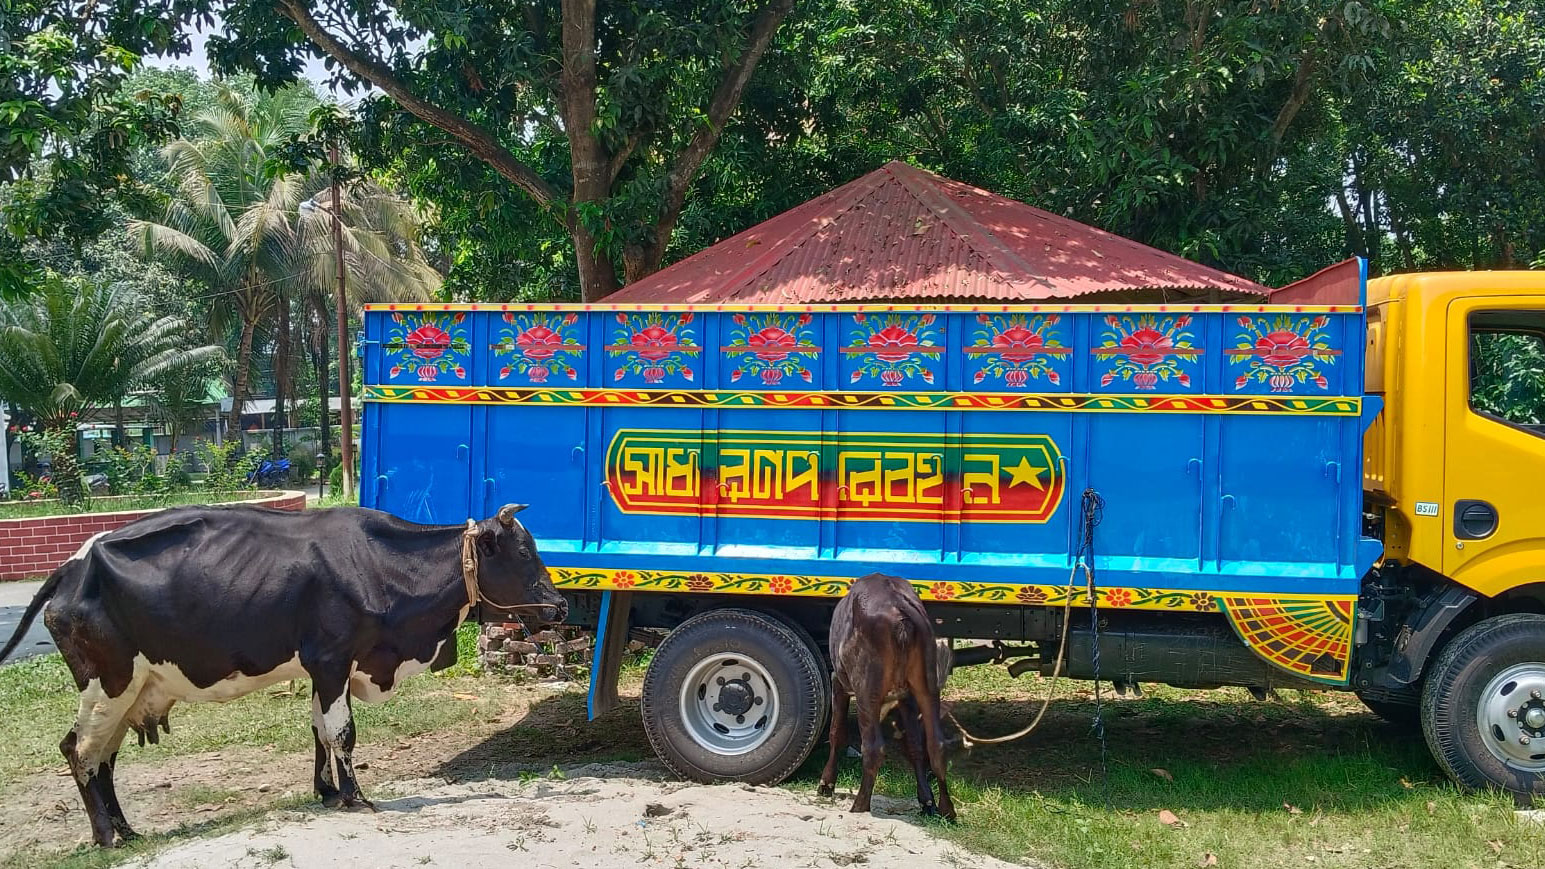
(786, 451)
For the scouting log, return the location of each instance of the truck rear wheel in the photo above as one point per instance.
(733, 695)
(1483, 708)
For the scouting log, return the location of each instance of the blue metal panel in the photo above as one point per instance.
(831, 442)
(421, 462)
(537, 456)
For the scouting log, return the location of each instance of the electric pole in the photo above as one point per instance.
(345, 380)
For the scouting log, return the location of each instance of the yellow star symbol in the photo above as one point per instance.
(1025, 472)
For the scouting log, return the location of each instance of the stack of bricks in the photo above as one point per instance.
(561, 652)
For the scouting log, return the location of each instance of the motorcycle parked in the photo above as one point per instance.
(270, 473)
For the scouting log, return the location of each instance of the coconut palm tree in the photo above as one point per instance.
(76, 347)
(256, 238)
(230, 222)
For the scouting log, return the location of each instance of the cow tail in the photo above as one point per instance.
(40, 600)
(901, 628)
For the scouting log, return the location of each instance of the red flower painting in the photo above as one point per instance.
(428, 341)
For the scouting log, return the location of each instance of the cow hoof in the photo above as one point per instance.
(858, 809)
(332, 801)
(360, 803)
(827, 791)
(930, 812)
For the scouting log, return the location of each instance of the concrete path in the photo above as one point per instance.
(14, 597)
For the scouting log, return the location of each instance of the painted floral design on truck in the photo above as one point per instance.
(429, 345)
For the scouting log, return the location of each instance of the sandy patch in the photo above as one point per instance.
(604, 816)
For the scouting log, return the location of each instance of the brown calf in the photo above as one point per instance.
(885, 656)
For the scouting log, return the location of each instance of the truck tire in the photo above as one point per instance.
(1483, 707)
(733, 695)
(823, 665)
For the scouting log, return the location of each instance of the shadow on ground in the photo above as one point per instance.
(553, 732)
(1202, 754)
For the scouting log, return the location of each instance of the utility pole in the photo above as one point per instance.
(345, 380)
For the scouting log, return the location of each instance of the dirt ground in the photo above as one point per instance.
(606, 816)
(474, 792)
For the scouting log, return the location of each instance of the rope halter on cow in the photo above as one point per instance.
(475, 594)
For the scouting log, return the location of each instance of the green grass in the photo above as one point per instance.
(334, 499)
(1308, 781)
(34, 509)
(39, 699)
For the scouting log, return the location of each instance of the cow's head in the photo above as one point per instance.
(510, 573)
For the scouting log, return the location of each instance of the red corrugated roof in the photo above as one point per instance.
(902, 233)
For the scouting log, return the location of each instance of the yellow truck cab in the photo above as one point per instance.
(1453, 471)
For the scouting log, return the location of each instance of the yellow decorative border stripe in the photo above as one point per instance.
(882, 307)
(1304, 634)
(1055, 402)
(941, 591)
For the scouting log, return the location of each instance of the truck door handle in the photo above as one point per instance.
(577, 454)
(1228, 501)
(1194, 463)
(461, 452)
(1333, 468)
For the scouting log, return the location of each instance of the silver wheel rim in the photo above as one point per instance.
(729, 704)
(1511, 715)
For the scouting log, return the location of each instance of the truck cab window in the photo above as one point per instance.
(1507, 368)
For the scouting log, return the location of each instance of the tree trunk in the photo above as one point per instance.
(239, 382)
(120, 435)
(597, 275)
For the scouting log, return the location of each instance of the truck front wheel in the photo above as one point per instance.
(733, 695)
(1483, 707)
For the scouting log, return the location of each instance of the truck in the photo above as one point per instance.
(1318, 490)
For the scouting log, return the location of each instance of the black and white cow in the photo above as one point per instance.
(211, 603)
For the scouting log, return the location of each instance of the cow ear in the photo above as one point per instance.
(507, 514)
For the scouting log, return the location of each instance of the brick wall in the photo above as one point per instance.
(34, 547)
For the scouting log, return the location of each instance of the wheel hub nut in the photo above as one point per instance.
(735, 698)
(1534, 718)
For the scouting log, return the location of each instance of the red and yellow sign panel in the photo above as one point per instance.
(849, 476)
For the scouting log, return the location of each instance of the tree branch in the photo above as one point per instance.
(476, 139)
(726, 99)
(621, 156)
(1303, 83)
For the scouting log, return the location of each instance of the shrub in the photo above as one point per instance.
(227, 471)
(303, 464)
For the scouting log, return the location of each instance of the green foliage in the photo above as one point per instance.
(601, 114)
(132, 471)
(227, 471)
(69, 130)
(31, 488)
(1444, 152)
(1509, 377)
(303, 463)
(77, 346)
(126, 469)
(261, 240)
